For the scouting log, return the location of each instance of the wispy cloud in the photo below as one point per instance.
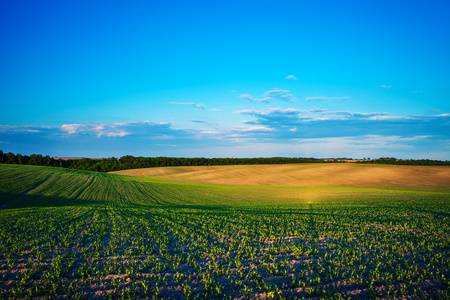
(279, 94)
(116, 129)
(252, 129)
(271, 95)
(315, 114)
(282, 112)
(71, 128)
(291, 77)
(96, 129)
(314, 123)
(95, 139)
(204, 122)
(195, 105)
(383, 86)
(315, 132)
(323, 98)
(246, 96)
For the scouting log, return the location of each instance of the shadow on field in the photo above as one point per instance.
(10, 201)
(436, 213)
(178, 207)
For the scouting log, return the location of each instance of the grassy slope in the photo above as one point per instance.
(22, 186)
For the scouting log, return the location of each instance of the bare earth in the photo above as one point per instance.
(430, 178)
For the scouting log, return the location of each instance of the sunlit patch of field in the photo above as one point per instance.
(349, 175)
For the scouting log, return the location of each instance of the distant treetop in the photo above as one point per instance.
(130, 162)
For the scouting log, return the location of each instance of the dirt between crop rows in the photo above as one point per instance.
(285, 274)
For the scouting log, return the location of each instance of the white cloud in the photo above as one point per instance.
(386, 118)
(268, 111)
(204, 122)
(279, 94)
(283, 115)
(251, 98)
(383, 86)
(288, 124)
(119, 133)
(205, 131)
(114, 129)
(99, 130)
(195, 105)
(253, 129)
(291, 77)
(72, 128)
(270, 132)
(271, 95)
(246, 96)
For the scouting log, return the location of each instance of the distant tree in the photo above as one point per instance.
(36, 159)
(10, 158)
(47, 161)
(128, 161)
(61, 163)
(20, 159)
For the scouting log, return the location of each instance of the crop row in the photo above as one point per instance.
(166, 252)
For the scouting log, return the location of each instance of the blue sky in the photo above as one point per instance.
(233, 79)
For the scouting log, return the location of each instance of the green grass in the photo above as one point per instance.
(67, 233)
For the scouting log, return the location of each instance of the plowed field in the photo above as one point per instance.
(350, 175)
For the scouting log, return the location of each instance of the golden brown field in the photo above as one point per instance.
(428, 178)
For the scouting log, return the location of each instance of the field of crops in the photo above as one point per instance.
(75, 234)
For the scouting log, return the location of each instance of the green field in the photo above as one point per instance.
(76, 234)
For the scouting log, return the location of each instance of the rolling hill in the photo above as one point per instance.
(348, 175)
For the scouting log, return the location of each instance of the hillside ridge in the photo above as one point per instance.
(351, 175)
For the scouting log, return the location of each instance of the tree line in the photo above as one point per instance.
(130, 162)
(413, 162)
